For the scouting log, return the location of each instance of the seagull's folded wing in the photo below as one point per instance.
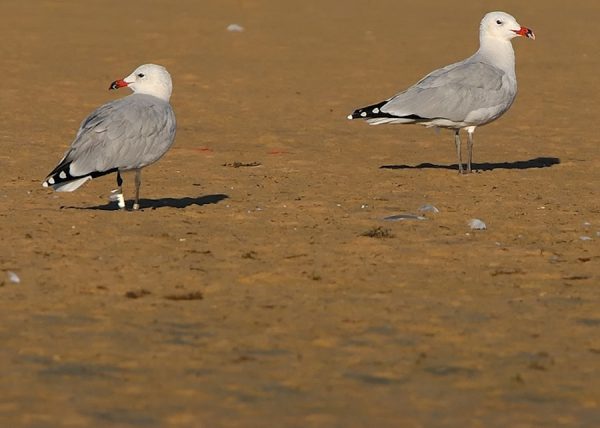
(454, 93)
(131, 132)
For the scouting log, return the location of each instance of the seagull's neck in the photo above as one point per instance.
(498, 52)
(159, 91)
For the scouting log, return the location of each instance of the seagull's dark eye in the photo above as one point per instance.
(140, 75)
(499, 22)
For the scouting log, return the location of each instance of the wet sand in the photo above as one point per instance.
(248, 295)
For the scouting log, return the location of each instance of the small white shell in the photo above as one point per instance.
(13, 277)
(235, 28)
(476, 224)
(428, 208)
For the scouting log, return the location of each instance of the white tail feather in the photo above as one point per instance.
(382, 120)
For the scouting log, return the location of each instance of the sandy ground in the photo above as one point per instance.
(247, 296)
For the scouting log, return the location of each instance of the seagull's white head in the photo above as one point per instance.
(501, 25)
(150, 79)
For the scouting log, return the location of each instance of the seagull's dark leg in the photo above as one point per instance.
(457, 142)
(470, 148)
(138, 183)
(117, 194)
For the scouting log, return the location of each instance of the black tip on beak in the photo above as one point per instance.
(117, 84)
(530, 34)
(525, 32)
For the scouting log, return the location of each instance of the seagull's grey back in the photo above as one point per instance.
(128, 133)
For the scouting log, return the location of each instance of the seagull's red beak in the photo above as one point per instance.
(525, 32)
(118, 84)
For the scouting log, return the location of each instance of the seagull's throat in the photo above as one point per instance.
(159, 91)
(498, 52)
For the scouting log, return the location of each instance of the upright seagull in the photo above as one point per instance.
(126, 134)
(467, 94)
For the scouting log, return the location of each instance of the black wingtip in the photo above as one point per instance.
(371, 112)
(62, 174)
(374, 112)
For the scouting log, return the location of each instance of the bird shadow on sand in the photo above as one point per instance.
(542, 162)
(154, 204)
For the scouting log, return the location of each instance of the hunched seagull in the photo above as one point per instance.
(467, 94)
(123, 135)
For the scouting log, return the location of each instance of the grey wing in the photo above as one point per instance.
(128, 133)
(455, 92)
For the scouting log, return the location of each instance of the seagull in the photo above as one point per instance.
(463, 95)
(127, 134)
